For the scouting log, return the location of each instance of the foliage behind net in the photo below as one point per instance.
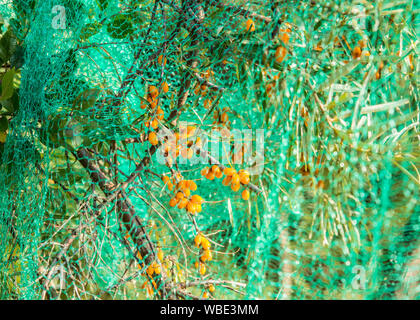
(121, 176)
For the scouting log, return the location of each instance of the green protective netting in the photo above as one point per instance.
(111, 114)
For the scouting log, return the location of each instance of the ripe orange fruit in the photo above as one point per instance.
(357, 52)
(162, 59)
(207, 103)
(227, 180)
(224, 117)
(207, 256)
(235, 178)
(160, 114)
(210, 175)
(173, 202)
(285, 35)
(192, 185)
(182, 203)
(198, 240)
(212, 288)
(153, 91)
(235, 187)
(245, 194)
(179, 195)
(244, 177)
(198, 208)
(219, 174)
(157, 269)
(280, 54)
(205, 243)
(165, 87)
(205, 294)
(202, 269)
(229, 171)
(215, 169)
(250, 25)
(150, 270)
(204, 172)
(160, 255)
(191, 208)
(197, 199)
(182, 185)
(154, 124)
(153, 138)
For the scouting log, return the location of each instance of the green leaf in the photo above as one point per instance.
(120, 27)
(7, 85)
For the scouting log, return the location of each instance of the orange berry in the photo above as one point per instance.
(227, 180)
(160, 254)
(229, 171)
(245, 194)
(182, 185)
(205, 294)
(204, 172)
(205, 243)
(187, 192)
(153, 91)
(150, 270)
(207, 256)
(235, 178)
(196, 265)
(157, 269)
(162, 59)
(182, 203)
(179, 195)
(198, 208)
(202, 269)
(173, 202)
(224, 117)
(212, 288)
(197, 199)
(250, 25)
(210, 175)
(207, 103)
(215, 169)
(191, 207)
(153, 138)
(192, 185)
(154, 124)
(235, 187)
(165, 87)
(284, 35)
(280, 54)
(170, 185)
(357, 52)
(198, 240)
(244, 177)
(219, 174)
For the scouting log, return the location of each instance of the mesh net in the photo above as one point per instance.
(229, 149)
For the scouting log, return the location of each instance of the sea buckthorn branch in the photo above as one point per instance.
(134, 225)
